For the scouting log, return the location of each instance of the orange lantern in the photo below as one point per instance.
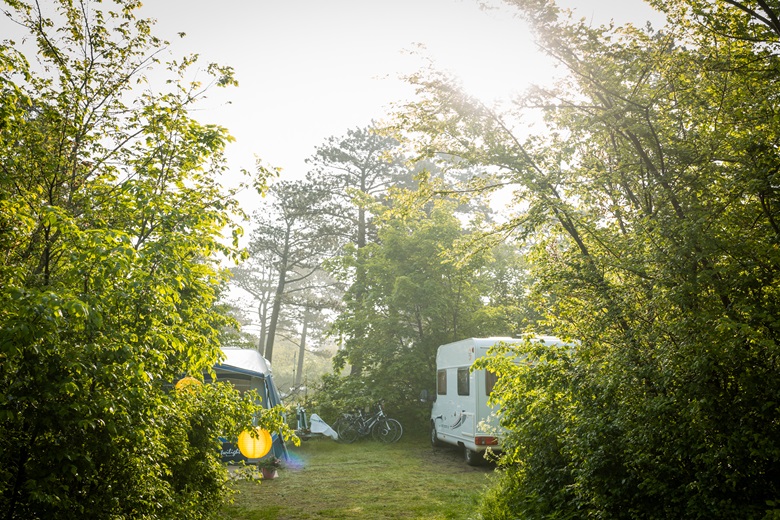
(254, 448)
(187, 383)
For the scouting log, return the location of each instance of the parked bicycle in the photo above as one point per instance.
(352, 426)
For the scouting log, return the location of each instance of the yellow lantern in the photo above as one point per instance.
(187, 383)
(254, 448)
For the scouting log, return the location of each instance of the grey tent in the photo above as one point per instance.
(246, 369)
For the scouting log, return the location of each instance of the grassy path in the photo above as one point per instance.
(365, 480)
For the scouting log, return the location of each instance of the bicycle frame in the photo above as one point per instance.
(357, 425)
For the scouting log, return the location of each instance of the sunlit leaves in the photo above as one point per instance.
(650, 206)
(417, 296)
(111, 214)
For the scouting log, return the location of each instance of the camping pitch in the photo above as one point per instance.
(247, 370)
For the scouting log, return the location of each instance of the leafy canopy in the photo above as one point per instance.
(650, 205)
(110, 217)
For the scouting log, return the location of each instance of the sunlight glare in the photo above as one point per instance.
(494, 55)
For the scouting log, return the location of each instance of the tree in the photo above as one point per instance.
(508, 307)
(418, 297)
(296, 234)
(650, 207)
(110, 216)
(257, 276)
(357, 171)
(315, 300)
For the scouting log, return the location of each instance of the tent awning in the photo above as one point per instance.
(249, 362)
(244, 361)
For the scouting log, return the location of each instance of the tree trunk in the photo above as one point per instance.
(282, 269)
(302, 351)
(262, 313)
(360, 276)
(269, 343)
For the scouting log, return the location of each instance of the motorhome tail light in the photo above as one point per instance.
(485, 441)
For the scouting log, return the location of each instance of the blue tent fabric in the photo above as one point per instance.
(246, 369)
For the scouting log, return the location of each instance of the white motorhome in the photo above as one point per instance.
(461, 415)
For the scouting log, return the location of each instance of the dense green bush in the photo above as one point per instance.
(648, 200)
(111, 212)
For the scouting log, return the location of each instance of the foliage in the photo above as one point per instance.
(196, 480)
(271, 462)
(420, 297)
(650, 205)
(535, 394)
(356, 171)
(292, 238)
(110, 215)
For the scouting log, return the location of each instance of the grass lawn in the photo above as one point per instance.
(364, 480)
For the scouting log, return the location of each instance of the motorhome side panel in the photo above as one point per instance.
(454, 407)
(460, 414)
(461, 401)
(488, 415)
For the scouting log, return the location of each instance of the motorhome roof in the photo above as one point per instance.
(490, 341)
(464, 352)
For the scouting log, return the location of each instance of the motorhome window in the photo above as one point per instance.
(441, 379)
(463, 381)
(490, 381)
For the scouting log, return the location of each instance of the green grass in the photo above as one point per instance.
(328, 480)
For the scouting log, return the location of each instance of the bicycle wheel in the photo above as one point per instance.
(348, 431)
(388, 430)
(399, 430)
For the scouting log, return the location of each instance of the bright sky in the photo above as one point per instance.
(310, 69)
